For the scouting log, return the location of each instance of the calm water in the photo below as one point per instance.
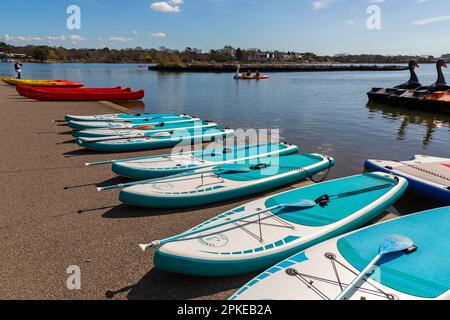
(321, 112)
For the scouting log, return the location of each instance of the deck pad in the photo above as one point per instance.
(424, 273)
(435, 172)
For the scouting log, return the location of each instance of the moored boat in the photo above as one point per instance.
(412, 95)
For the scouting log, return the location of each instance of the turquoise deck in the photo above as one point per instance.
(210, 155)
(337, 209)
(276, 166)
(424, 273)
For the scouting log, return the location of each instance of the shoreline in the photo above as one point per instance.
(231, 68)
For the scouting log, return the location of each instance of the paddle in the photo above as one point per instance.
(390, 245)
(222, 169)
(301, 204)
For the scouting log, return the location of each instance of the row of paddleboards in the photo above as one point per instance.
(126, 133)
(304, 238)
(210, 176)
(428, 176)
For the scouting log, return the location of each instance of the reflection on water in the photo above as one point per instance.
(132, 105)
(431, 121)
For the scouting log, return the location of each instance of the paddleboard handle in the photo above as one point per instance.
(323, 200)
(154, 244)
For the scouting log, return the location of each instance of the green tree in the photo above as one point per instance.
(41, 53)
(239, 54)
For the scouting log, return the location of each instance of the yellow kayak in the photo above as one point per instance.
(43, 83)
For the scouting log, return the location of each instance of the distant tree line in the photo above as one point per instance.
(165, 56)
(375, 58)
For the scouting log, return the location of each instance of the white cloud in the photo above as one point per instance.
(169, 7)
(321, 4)
(47, 39)
(158, 34)
(120, 39)
(430, 20)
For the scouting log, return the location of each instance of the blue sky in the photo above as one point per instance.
(321, 26)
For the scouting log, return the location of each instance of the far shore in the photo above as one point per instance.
(228, 68)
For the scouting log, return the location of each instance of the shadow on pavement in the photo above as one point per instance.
(160, 285)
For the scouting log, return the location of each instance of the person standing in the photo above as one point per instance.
(18, 68)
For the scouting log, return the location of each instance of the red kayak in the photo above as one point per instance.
(26, 90)
(62, 89)
(83, 95)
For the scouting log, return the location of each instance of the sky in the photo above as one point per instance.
(413, 27)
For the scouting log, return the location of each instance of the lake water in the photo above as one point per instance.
(324, 112)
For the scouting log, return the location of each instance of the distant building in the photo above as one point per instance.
(259, 56)
(255, 55)
(446, 57)
(228, 50)
(9, 57)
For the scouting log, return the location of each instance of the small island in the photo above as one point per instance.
(272, 67)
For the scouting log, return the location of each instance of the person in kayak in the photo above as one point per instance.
(257, 74)
(18, 68)
(248, 74)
